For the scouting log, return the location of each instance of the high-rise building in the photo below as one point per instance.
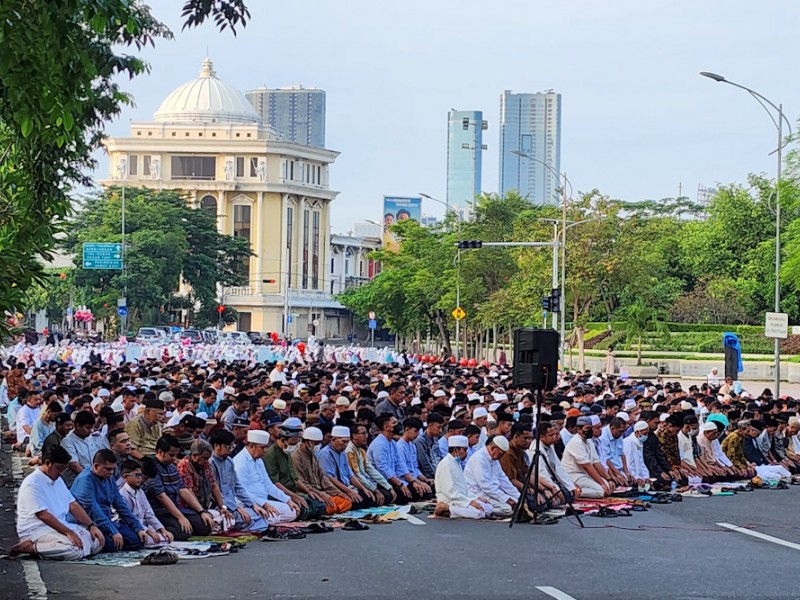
(464, 157)
(530, 124)
(297, 113)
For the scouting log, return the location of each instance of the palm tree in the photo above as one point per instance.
(640, 318)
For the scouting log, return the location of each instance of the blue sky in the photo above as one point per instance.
(637, 118)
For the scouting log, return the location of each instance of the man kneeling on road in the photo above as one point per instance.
(485, 477)
(582, 463)
(452, 494)
(43, 505)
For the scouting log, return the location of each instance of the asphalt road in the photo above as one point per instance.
(671, 552)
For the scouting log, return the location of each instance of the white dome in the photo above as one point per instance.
(206, 100)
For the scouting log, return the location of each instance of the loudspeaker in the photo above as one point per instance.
(535, 358)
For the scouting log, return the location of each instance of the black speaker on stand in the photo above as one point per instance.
(535, 358)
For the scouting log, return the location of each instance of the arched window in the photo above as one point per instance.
(209, 204)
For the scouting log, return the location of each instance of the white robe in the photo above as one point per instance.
(451, 489)
(634, 456)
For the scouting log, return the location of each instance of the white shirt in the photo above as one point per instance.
(722, 458)
(685, 448)
(451, 486)
(252, 474)
(634, 456)
(276, 375)
(26, 415)
(485, 477)
(579, 452)
(549, 453)
(566, 436)
(37, 493)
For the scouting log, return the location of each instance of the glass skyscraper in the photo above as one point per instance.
(297, 113)
(530, 123)
(464, 157)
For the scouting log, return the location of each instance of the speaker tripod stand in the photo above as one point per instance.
(533, 470)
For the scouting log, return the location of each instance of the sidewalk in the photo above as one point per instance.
(13, 584)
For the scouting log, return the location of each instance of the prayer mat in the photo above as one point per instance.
(243, 538)
(298, 524)
(377, 510)
(132, 558)
(503, 520)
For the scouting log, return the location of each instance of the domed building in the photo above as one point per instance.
(207, 140)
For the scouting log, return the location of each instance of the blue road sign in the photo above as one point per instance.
(290, 319)
(373, 324)
(122, 311)
(102, 256)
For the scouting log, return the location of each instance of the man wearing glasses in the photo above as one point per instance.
(137, 501)
(96, 491)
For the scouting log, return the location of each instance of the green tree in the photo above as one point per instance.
(640, 318)
(167, 242)
(60, 68)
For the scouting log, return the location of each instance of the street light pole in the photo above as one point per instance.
(779, 151)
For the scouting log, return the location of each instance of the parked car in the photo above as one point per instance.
(256, 337)
(148, 335)
(193, 335)
(234, 337)
(210, 335)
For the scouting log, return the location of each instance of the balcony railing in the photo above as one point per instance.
(242, 290)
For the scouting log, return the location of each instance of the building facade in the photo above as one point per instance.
(464, 157)
(297, 113)
(207, 141)
(531, 124)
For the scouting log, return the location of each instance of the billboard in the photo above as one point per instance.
(398, 208)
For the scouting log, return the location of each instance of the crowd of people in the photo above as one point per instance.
(135, 455)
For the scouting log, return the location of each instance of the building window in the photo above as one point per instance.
(194, 167)
(245, 321)
(347, 256)
(333, 262)
(241, 228)
(133, 164)
(306, 241)
(209, 204)
(240, 166)
(253, 166)
(315, 252)
(146, 165)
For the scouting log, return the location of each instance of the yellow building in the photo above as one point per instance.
(207, 140)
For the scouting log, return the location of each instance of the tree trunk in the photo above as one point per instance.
(639, 352)
(579, 333)
(444, 334)
(494, 342)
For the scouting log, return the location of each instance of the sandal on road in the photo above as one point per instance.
(354, 525)
(605, 513)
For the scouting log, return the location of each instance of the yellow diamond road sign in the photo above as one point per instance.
(459, 313)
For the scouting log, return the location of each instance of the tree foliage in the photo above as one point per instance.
(61, 67)
(167, 242)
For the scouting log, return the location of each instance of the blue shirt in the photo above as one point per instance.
(384, 455)
(408, 454)
(97, 496)
(167, 482)
(335, 464)
(610, 448)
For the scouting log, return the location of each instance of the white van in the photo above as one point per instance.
(234, 337)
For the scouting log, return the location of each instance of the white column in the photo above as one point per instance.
(259, 247)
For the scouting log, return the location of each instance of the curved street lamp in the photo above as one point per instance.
(766, 104)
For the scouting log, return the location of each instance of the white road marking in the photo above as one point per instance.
(554, 592)
(761, 536)
(37, 590)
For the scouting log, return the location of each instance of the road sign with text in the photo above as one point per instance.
(776, 325)
(102, 256)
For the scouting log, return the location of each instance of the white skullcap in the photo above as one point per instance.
(500, 397)
(709, 426)
(474, 396)
(97, 402)
(313, 433)
(663, 417)
(629, 403)
(338, 431)
(480, 412)
(686, 405)
(494, 406)
(103, 393)
(640, 426)
(457, 441)
(257, 436)
(342, 401)
(347, 388)
(439, 394)
(383, 394)
(624, 416)
(595, 420)
(501, 442)
(415, 401)
(279, 404)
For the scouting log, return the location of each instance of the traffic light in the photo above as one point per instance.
(221, 309)
(268, 281)
(546, 303)
(465, 123)
(470, 244)
(555, 300)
